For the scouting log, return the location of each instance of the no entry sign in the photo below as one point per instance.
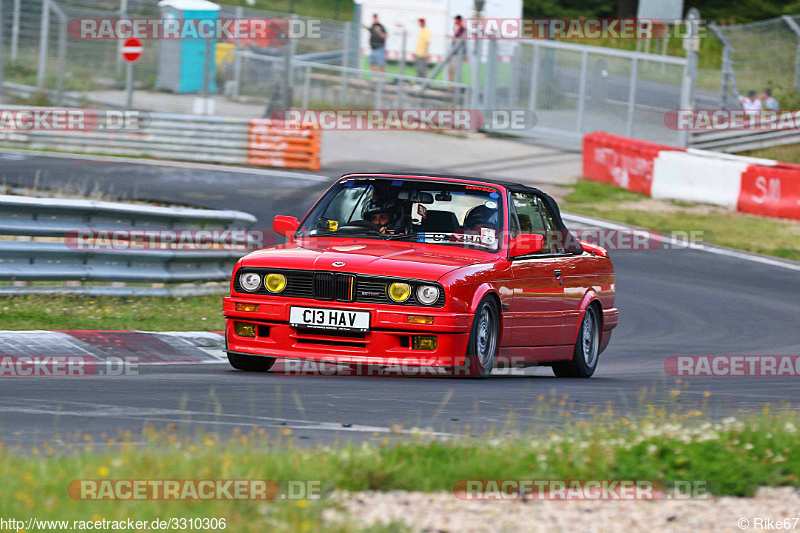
(132, 50)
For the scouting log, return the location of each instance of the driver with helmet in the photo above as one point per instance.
(481, 217)
(385, 214)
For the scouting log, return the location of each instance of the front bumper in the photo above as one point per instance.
(388, 341)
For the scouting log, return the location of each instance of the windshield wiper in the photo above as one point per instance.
(343, 234)
(400, 237)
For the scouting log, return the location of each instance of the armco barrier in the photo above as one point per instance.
(260, 142)
(758, 186)
(53, 259)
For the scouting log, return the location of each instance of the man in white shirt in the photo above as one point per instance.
(751, 104)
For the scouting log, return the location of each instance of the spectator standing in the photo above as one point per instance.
(421, 51)
(377, 42)
(458, 33)
(751, 104)
(770, 103)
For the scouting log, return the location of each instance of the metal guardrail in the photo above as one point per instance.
(26, 260)
(238, 141)
(735, 141)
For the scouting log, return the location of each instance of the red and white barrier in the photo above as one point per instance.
(773, 191)
(758, 186)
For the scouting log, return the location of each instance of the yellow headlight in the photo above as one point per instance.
(275, 282)
(399, 292)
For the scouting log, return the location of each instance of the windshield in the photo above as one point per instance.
(452, 214)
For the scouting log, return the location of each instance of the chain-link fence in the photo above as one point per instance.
(573, 89)
(764, 54)
(576, 89)
(39, 51)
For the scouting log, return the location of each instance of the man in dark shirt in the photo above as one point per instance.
(458, 33)
(377, 42)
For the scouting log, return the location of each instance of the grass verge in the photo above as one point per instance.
(734, 456)
(788, 153)
(762, 235)
(195, 313)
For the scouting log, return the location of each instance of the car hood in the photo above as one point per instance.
(368, 256)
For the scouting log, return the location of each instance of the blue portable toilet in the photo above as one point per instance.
(181, 62)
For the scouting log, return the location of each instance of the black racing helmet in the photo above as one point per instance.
(482, 215)
(375, 206)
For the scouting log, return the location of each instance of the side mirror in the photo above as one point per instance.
(285, 226)
(526, 243)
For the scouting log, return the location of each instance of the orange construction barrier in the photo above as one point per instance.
(275, 143)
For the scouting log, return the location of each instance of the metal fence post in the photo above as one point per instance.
(286, 75)
(44, 38)
(2, 54)
(15, 31)
(123, 13)
(291, 44)
(475, 72)
(796, 29)
(728, 83)
(462, 46)
(489, 100)
(379, 93)
(690, 70)
(513, 97)
(582, 89)
(534, 78)
(403, 53)
(632, 97)
(237, 58)
(348, 30)
(62, 52)
(306, 86)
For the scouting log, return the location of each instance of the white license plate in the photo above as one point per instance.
(338, 319)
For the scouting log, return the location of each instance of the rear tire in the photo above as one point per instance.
(587, 349)
(250, 363)
(484, 339)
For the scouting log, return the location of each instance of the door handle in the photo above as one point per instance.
(557, 273)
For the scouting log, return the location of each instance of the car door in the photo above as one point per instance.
(536, 304)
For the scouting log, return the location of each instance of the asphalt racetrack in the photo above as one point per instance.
(671, 302)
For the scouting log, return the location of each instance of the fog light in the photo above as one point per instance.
(424, 342)
(399, 292)
(250, 308)
(420, 319)
(243, 329)
(275, 282)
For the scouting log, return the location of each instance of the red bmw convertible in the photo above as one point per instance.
(424, 270)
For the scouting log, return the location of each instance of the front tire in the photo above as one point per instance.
(484, 339)
(587, 349)
(250, 363)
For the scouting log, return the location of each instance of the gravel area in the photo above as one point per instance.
(443, 512)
